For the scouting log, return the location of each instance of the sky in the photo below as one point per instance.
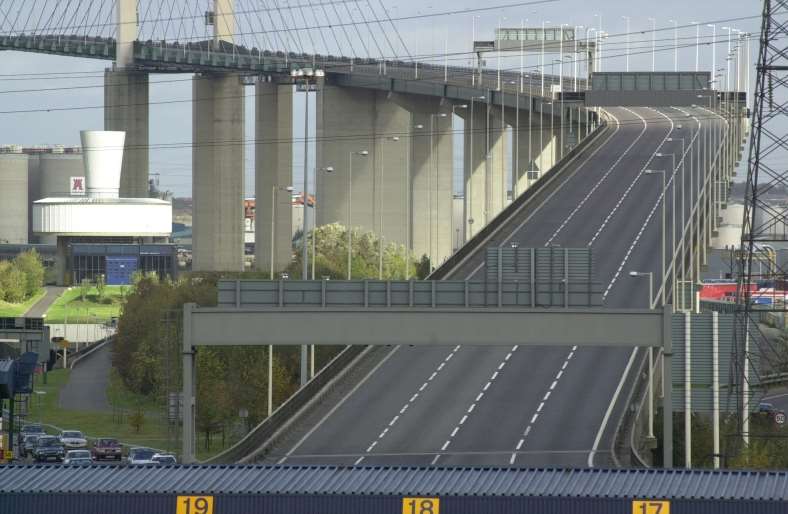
(59, 96)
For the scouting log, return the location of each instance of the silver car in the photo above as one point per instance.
(73, 439)
(78, 458)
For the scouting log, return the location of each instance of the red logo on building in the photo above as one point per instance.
(77, 185)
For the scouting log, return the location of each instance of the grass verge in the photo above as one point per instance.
(115, 422)
(92, 310)
(13, 310)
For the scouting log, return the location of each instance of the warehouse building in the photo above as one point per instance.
(387, 490)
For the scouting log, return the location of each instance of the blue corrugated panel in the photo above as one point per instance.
(330, 480)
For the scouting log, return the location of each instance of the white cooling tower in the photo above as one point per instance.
(103, 156)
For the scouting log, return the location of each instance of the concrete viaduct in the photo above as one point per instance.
(402, 189)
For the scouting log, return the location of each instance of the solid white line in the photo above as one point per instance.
(610, 408)
(338, 405)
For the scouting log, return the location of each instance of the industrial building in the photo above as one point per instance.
(65, 202)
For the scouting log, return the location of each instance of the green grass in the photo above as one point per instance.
(113, 423)
(92, 310)
(12, 310)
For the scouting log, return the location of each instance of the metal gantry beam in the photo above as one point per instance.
(221, 326)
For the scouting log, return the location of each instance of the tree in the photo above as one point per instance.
(331, 258)
(29, 263)
(12, 283)
(101, 286)
(84, 289)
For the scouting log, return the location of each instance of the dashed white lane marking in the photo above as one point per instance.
(534, 418)
(552, 386)
(558, 376)
(472, 406)
(648, 218)
(599, 182)
(546, 396)
(409, 403)
(539, 409)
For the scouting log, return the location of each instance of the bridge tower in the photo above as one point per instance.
(218, 147)
(126, 103)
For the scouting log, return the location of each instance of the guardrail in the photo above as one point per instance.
(267, 432)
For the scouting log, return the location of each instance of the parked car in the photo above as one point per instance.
(27, 446)
(140, 456)
(164, 459)
(29, 430)
(78, 458)
(107, 448)
(73, 439)
(49, 447)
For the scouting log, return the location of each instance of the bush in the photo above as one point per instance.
(29, 263)
(12, 283)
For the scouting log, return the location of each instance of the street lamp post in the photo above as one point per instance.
(541, 56)
(274, 189)
(697, 44)
(664, 202)
(469, 193)
(380, 209)
(713, 54)
(673, 224)
(675, 44)
(350, 211)
(627, 18)
(327, 169)
(650, 276)
(653, 43)
(305, 75)
(683, 213)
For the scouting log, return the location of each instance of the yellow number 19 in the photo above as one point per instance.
(194, 505)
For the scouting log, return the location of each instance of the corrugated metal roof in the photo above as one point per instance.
(332, 480)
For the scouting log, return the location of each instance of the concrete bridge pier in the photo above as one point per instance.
(218, 172)
(126, 104)
(534, 150)
(126, 109)
(273, 174)
(431, 169)
(484, 166)
(351, 121)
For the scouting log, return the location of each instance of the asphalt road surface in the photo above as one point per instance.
(87, 384)
(526, 406)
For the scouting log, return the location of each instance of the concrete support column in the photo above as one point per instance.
(126, 109)
(496, 164)
(474, 167)
(218, 173)
(273, 173)
(531, 148)
(431, 151)
(354, 120)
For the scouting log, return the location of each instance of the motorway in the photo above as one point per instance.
(526, 406)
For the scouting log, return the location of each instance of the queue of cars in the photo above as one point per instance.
(71, 447)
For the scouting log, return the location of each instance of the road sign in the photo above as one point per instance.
(650, 507)
(421, 505)
(779, 418)
(63, 343)
(194, 505)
